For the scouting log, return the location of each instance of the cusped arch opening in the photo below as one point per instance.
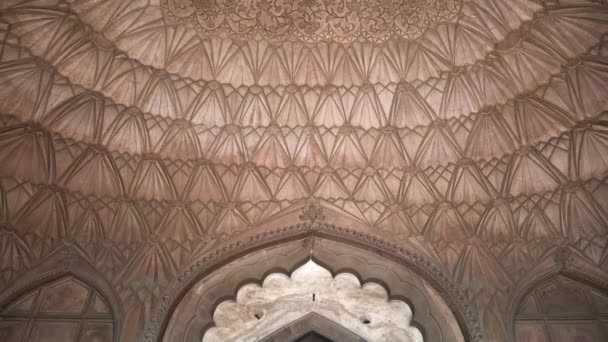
(364, 309)
(192, 314)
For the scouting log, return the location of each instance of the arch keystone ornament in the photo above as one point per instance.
(312, 212)
(563, 255)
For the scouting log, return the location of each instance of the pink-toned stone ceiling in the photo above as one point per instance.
(142, 134)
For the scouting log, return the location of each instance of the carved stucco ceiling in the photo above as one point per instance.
(142, 133)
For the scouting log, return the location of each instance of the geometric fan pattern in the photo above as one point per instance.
(142, 137)
(45, 314)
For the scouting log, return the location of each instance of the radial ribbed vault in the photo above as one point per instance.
(142, 134)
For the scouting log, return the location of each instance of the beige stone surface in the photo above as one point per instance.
(137, 137)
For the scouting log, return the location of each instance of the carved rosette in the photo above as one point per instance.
(311, 20)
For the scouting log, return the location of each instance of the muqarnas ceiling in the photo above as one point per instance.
(475, 134)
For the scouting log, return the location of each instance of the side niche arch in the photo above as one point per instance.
(562, 308)
(192, 315)
(60, 307)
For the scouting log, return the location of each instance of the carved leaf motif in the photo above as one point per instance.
(312, 212)
(310, 20)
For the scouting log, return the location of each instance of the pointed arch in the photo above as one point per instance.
(39, 303)
(561, 304)
(188, 309)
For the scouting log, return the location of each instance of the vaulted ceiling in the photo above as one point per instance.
(143, 133)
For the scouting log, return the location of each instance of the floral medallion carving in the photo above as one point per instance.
(312, 212)
(311, 20)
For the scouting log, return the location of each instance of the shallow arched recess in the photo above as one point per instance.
(63, 308)
(562, 309)
(193, 315)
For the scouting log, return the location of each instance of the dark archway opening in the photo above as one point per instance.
(313, 336)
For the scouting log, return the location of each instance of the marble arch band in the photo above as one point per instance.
(148, 147)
